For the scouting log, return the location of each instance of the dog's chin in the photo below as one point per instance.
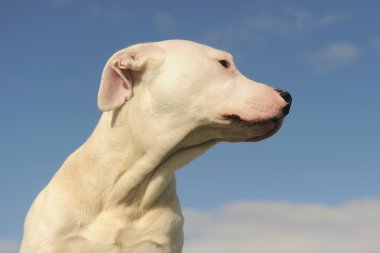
(269, 128)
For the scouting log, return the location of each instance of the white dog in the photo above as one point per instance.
(164, 104)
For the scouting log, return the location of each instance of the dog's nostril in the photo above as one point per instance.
(285, 95)
(286, 110)
(288, 98)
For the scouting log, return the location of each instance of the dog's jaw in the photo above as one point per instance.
(277, 126)
(252, 131)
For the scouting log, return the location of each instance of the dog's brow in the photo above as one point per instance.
(229, 56)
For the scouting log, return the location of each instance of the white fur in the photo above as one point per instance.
(164, 104)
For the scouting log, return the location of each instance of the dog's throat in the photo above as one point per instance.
(154, 183)
(163, 174)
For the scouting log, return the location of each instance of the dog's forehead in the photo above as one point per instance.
(190, 47)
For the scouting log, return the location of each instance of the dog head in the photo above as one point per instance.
(181, 85)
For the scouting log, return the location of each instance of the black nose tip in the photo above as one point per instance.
(288, 98)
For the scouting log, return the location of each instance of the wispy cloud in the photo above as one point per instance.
(115, 13)
(332, 56)
(164, 22)
(8, 246)
(62, 2)
(293, 20)
(286, 22)
(263, 227)
(375, 44)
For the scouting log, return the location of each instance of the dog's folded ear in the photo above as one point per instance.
(116, 83)
(117, 79)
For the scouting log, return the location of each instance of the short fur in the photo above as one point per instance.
(164, 104)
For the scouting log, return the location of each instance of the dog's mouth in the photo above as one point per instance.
(266, 128)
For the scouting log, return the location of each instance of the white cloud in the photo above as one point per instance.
(269, 227)
(333, 56)
(8, 246)
(263, 227)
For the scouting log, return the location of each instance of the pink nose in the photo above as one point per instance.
(288, 99)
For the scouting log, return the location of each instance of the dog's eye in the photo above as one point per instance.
(224, 63)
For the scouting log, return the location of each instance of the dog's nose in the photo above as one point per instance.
(288, 98)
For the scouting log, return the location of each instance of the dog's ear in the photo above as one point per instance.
(117, 81)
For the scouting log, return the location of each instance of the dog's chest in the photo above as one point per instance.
(159, 229)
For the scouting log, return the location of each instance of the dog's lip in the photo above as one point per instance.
(277, 121)
(277, 126)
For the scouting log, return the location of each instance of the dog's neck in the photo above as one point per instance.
(139, 163)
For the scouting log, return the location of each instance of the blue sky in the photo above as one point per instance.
(326, 53)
